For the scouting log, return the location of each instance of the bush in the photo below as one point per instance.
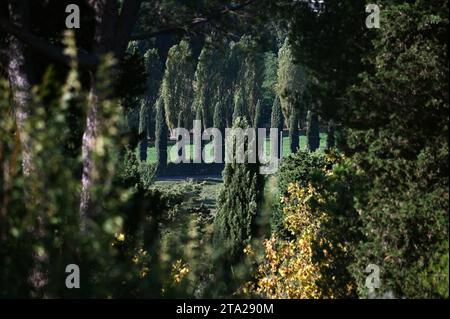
(296, 168)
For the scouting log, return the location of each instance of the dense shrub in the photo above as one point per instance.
(296, 168)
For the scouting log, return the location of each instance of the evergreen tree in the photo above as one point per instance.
(219, 117)
(177, 90)
(143, 132)
(277, 120)
(269, 85)
(239, 106)
(251, 75)
(230, 79)
(257, 122)
(220, 123)
(161, 136)
(237, 203)
(291, 88)
(207, 81)
(312, 131)
(199, 114)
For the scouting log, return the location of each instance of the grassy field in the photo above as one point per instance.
(151, 152)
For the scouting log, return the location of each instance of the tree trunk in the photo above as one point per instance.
(107, 39)
(293, 131)
(330, 135)
(19, 74)
(20, 82)
(313, 133)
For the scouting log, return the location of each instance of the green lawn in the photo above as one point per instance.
(151, 152)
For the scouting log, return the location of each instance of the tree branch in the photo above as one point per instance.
(85, 60)
(128, 16)
(192, 23)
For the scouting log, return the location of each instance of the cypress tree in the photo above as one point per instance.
(257, 122)
(237, 204)
(143, 132)
(313, 134)
(199, 113)
(277, 120)
(220, 122)
(161, 136)
(239, 106)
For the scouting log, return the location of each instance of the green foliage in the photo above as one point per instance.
(40, 230)
(237, 204)
(291, 83)
(239, 105)
(330, 45)
(219, 117)
(258, 116)
(277, 115)
(135, 172)
(153, 69)
(176, 88)
(208, 77)
(296, 168)
(131, 85)
(402, 148)
(269, 84)
(251, 75)
(277, 120)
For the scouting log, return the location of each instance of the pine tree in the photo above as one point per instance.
(277, 120)
(161, 136)
(312, 132)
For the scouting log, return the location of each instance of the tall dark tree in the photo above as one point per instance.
(143, 132)
(277, 120)
(161, 136)
(237, 202)
(220, 122)
(239, 105)
(312, 132)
